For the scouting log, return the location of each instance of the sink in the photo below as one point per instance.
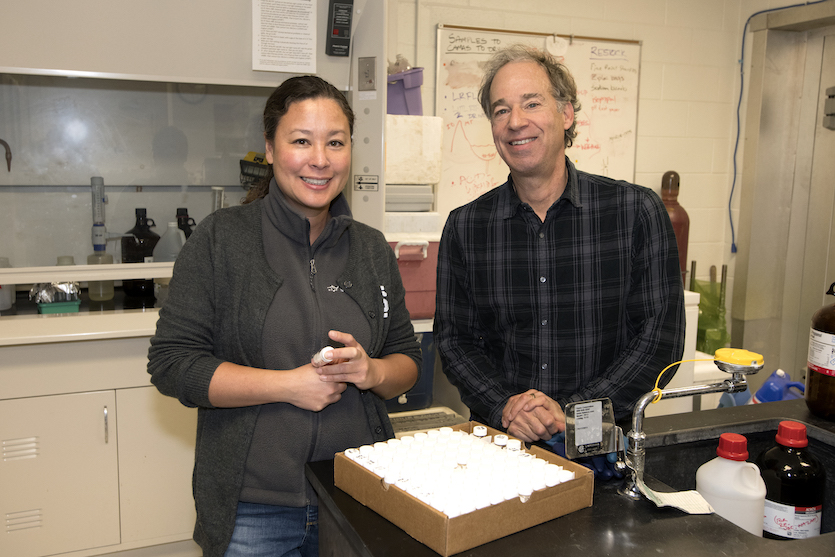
(672, 457)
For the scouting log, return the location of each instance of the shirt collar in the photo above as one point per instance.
(294, 225)
(510, 199)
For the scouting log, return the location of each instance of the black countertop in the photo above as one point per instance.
(613, 525)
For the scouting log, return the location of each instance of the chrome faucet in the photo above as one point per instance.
(738, 363)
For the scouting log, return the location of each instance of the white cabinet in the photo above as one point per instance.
(155, 40)
(59, 476)
(95, 460)
(156, 458)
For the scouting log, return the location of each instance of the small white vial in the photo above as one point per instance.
(319, 358)
(480, 431)
(500, 440)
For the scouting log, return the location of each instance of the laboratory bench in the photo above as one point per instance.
(614, 524)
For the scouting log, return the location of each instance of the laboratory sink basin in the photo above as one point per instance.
(675, 452)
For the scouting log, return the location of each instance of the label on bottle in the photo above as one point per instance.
(822, 352)
(792, 522)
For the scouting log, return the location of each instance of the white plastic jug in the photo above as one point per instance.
(733, 487)
(169, 245)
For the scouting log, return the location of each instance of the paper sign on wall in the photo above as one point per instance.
(284, 36)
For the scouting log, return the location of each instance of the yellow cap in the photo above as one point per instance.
(739, 357)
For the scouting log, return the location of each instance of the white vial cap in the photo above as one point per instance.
(552, 474)
(514, 445)
(480, 431)
(421, 436)
(445, 431)
(500, 440)
(319, 358)
(566, 475)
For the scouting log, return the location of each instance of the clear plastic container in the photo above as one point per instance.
(100, 290)
(167, 249)
(732, 486)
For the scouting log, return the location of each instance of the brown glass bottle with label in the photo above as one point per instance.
(795, 485)
(820, 376)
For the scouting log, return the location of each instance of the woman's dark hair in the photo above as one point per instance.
(293, 90)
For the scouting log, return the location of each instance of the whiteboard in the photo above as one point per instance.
(607, 75)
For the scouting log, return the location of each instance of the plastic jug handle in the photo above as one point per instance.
(797, 385)
(749, 477)
(420, 253)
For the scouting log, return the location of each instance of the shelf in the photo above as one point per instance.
(65, 273)
(70, 327)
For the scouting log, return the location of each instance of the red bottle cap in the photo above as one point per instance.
(792, 434)
(733, 446)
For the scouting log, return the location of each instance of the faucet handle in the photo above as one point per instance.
(737, 360)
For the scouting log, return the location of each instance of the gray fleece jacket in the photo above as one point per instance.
(220, 293)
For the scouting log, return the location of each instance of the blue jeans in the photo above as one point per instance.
(272, 531)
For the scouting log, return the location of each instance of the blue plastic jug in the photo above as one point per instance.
(779, 386)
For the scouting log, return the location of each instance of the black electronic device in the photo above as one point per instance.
(338, 33)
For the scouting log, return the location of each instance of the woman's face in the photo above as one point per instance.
(311, 154)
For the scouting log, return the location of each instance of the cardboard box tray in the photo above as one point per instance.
(448, 536)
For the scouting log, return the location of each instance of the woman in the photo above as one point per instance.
(256, 291)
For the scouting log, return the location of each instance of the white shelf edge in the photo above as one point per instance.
(119, 271)
(17, 330)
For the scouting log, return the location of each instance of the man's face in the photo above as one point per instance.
(528, 126)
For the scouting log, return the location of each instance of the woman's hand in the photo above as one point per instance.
(386, 377)
(349, 364)
(309, 392)
(234, 385)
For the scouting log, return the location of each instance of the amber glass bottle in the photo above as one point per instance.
(138, 247)
(820, 377)
(795, 485)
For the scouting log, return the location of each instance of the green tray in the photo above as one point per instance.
(59, 307)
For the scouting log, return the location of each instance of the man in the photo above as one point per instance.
(558, 286)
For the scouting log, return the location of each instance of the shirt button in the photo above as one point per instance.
(541, 234)
(544, 367)
(543, 322)
(542, 279)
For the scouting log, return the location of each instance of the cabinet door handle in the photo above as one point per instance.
(105, 426)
